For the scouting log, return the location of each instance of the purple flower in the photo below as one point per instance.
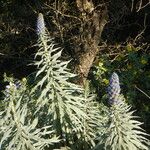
(40, 24)
(114, 89)
(15, 86)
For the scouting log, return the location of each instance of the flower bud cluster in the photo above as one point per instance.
(40, 25)
(114, 89)
(12, 86)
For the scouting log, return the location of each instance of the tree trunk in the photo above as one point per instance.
(94, 20)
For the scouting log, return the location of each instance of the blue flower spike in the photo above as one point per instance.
(114, 89)
(40, 24)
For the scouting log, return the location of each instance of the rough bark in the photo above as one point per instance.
(94, 20)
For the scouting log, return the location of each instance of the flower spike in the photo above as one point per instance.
(114, 89)
(40, 24)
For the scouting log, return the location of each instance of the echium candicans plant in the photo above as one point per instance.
(57, 100)
(124, 132)
(18, 129)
